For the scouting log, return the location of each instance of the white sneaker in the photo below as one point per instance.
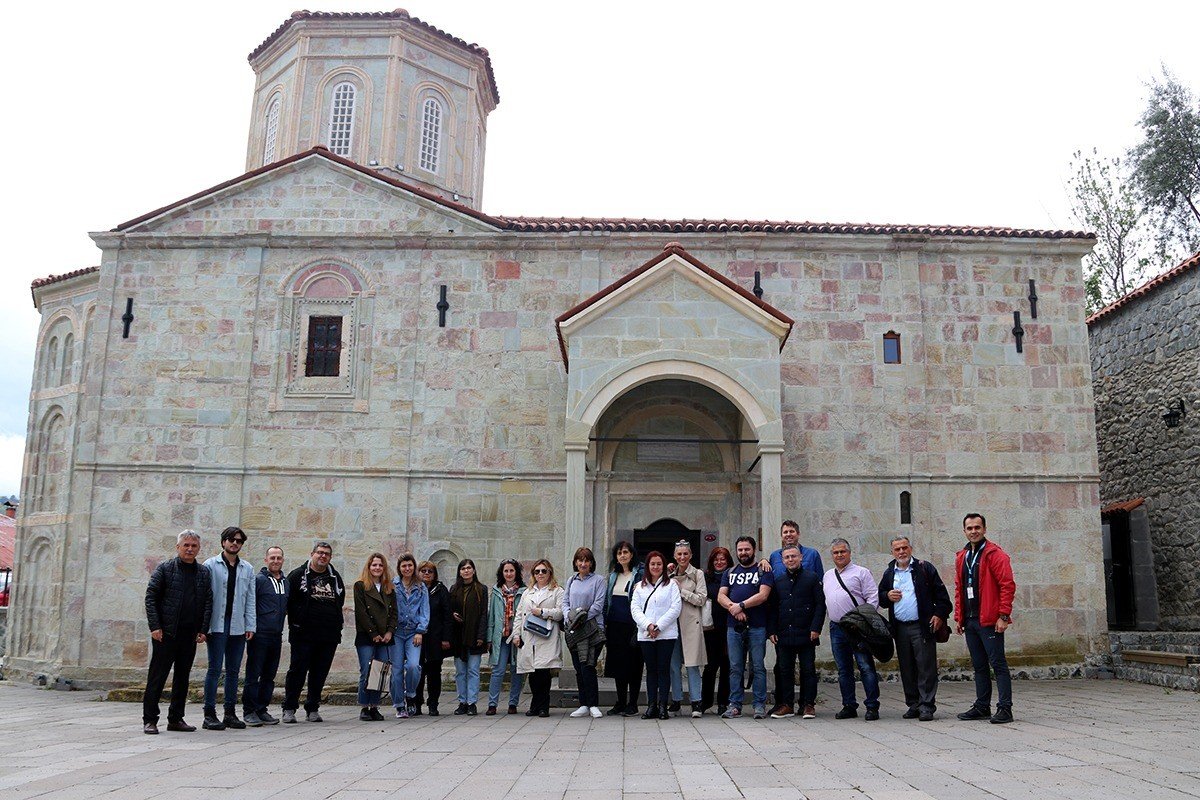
(582, 711)
(596, 712)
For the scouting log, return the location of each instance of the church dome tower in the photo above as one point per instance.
(383, 89)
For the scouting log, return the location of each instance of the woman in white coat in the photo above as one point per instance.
(537, 654)
(655, 607)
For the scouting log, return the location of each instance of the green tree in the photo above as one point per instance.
(1104, 201)
(1165, 167)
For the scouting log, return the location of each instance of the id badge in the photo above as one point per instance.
(970, 592)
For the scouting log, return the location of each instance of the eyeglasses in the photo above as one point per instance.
(324, 554)
(427, 570)
(541, 571)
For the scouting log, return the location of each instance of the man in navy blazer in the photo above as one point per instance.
(794, 625)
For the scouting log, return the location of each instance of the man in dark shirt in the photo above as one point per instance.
(178, 607)
(797, 614)
(744, 592)
(316, 594)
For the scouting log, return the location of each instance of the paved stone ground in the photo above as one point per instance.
(1072, 739)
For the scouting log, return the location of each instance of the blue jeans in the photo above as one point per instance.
(262, 665)
(507, 663)
(466, 678)
(406, 667)
(756, 640)
(987, 648)
(846, 656)
(226, 650)
(693, 673)
(366, 652)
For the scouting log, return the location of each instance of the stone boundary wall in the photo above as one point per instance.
(1164, 675)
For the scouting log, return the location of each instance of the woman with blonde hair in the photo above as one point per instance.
(374, 623)
(537, 635)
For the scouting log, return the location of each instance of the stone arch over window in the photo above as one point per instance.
(66, 369)
(50, 363)
(433, 117)
(271, 119)
(344, 95)
(48, 473)
(36, 599)
(57, 335)
(447, 563)
(316, 298)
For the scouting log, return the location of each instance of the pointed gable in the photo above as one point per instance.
(674, 263)
(311, 193)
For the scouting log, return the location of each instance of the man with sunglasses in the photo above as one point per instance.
(233, 623)
(316, 595)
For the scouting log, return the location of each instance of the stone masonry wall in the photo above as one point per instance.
(1146, 357)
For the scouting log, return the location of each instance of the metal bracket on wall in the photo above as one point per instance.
(443, 306)
(1033, 298)
(127, 317)
(758, 290)
(1017, 331)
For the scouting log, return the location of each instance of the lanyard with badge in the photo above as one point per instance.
(971, 564)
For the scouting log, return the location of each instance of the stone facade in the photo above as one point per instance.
(507, 432)
(1145, 360)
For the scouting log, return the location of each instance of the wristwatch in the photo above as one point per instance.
(1005, 618)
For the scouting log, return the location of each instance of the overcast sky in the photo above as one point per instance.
(858, 112)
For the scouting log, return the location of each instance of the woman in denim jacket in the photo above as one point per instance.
(412, 620)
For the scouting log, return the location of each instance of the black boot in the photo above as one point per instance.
(652, 711)
(662, 714)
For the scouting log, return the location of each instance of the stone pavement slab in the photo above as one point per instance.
(1072, 739)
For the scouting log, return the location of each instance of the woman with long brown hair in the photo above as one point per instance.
(716, 671)
(374, 623)
(468, 604)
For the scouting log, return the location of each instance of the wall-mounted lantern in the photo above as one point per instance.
(1174, 415)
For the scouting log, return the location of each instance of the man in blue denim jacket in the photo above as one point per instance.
(234, 618)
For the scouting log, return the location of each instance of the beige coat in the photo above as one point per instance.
(694, 592)
(537, 652)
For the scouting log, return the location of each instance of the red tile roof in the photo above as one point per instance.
(1127, 506)
(672, 248)
(1149, 286)
(66, 276)
(591, 224)
(399, 14)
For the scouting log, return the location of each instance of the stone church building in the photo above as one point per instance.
(340, 343)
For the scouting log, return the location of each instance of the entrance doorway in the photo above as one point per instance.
(662, 535)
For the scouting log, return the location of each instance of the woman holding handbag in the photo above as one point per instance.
(655, 606)
(689, 647)
(374, 622)
(468, 604)
(537, 635)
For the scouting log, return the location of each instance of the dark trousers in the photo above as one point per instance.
(623, 661)
(539, 690)
(846, 656)
(262, 665)
(310, 660)
(173, 652)
(716, 670)
(657, 655)
(917, 653)
(589, 682)
(987, 649)
(431, 677)
(786, 656)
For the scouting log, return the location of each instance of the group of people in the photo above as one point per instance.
(664, 618)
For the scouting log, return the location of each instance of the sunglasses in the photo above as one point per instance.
(541, 571)
(237, 540)
(427, 570)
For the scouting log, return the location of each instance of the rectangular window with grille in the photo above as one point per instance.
(324, 347)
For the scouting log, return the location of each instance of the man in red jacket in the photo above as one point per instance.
(984, 588)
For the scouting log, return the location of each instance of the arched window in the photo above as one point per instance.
(431, 135)
(67, 371)
(50, 365)
(906, 508)
(341, 119)
(271, 133)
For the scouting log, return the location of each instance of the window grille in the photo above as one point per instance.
(324, 347)
(272, 131)
(341, 119)
(431, 135)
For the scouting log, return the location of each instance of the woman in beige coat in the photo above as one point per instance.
(689, 648)
(539, 654)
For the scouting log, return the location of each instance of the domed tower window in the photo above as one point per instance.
(341, 119)
(431, 135)
(271, 132)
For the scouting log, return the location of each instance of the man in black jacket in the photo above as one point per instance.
(794, 625)
(262, 652)
(316, 594)
(178, 607)
(918, 606)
